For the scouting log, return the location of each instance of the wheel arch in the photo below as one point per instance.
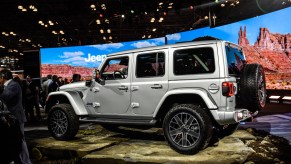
(192, 96)
(70, 97)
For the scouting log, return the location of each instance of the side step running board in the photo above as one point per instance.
(119, 121)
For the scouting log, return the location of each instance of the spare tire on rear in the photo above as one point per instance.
(252, 87)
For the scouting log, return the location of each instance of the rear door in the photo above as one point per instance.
(149, 81)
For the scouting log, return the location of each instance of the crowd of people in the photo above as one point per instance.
(22, 98)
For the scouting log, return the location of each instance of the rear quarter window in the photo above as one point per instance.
(194, 61)
(235, 60)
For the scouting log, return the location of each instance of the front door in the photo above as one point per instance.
(114, 96)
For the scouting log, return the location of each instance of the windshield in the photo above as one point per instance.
(235, 60)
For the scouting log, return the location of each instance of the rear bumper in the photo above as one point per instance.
(230, 117)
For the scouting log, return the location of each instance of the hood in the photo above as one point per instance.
(74, 86)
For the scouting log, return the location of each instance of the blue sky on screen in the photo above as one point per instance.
(276, 22)
(92, 55)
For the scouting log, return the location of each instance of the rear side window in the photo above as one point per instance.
(235, 60)
(194, 61)
(151, 64)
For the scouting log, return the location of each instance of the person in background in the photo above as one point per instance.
(31, 100)
(60, 81)
(12, 95)
(45, 86)
(66, 81)
(53, 85)
(76, 78)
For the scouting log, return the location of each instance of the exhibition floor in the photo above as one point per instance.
(95, 144)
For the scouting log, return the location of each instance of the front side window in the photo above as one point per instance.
(194, 61)
(116, 68)
(151, 64)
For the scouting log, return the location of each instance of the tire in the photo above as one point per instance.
(252, 87)
(200, 127)
(63, 123)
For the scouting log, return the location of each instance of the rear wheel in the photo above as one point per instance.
(187, 128)
(252, 87)
(63, 123)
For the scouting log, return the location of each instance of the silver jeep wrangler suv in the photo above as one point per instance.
(192, 90)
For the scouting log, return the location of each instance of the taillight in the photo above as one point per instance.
(227, 89)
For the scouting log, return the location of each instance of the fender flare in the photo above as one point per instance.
(200, 92)
(74, 99)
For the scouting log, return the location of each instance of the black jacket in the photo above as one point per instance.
(12, 95)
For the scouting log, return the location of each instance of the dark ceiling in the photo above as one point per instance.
(53, 23)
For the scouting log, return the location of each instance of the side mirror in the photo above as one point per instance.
(97, 77)
(88, 83)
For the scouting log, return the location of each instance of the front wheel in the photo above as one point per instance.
(63, 123)
(187, 128)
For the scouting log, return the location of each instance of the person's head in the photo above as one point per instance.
(49, 76)
(76, 77)
(28, 78)
(5, 75)
(55, 78)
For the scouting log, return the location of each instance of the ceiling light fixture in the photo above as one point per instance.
(8, 33)
(92, 6)
(108, 31)
(47, 23)
(103, 6)
(101, 31)
(25, 8)
(98, 21)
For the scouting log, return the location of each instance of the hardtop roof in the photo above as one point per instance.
(167, 46)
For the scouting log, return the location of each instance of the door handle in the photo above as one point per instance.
(124, 88)
(157, 86)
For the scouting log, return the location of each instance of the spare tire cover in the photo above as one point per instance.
(252, 87)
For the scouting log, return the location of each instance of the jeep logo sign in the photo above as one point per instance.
(92, 58)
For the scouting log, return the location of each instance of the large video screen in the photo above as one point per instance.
(265, 39)
(66, 61)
